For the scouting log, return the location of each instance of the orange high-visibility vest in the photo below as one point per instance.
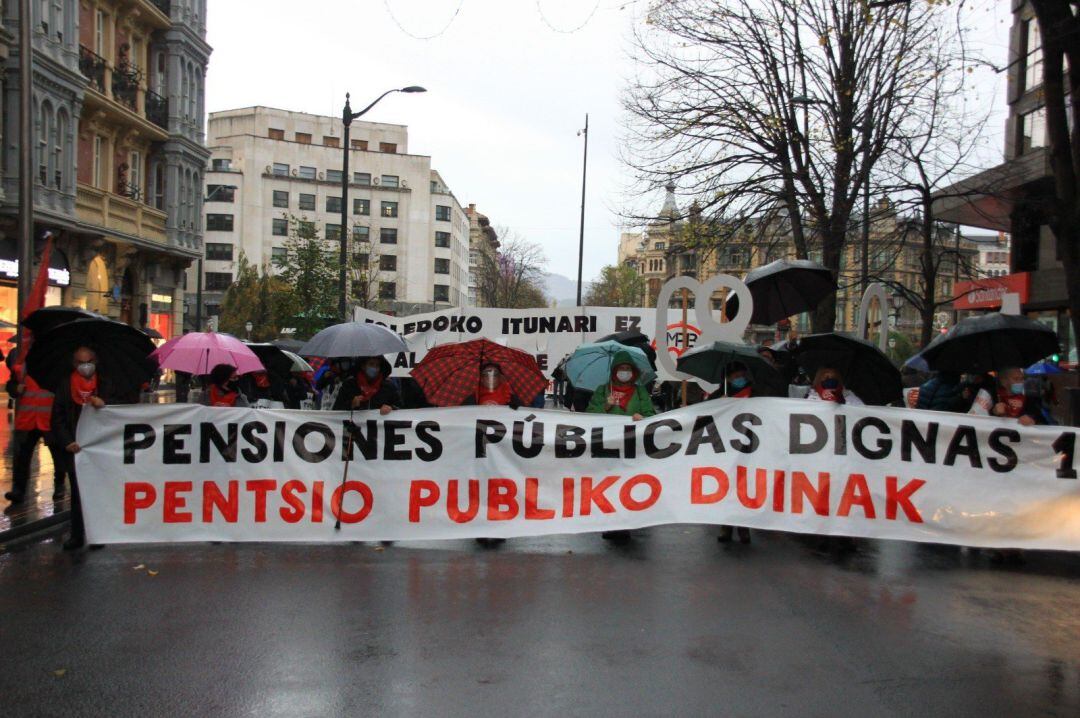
(33, 410)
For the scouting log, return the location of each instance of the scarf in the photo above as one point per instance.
(82, 388)
(835, 395)
(368, 388)
(221, 397)
(622, 393)
(499, 396)
(1014, 403)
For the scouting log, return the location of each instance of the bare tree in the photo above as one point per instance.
(366, 268)
(511, 276)
(751, 104)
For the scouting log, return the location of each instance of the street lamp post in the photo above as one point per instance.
(347, 116)
(248, 326)
(581, 234)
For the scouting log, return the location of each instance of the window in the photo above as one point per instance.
(434, 187)
(333, 176)
(387, 290)
(219, 222)
(281, 169)
(219, 252)
(389, 181)
(333, 231)
(99, 160)
(361, 206)
(442, 266)
(279, 255)
(359, 144)
(1033, 63)
(363, 178)
(220, 165)
(134, 178)
(303, 138)
(389, 147)
(442, 239)
(307, 172)
(388, 235)
(441, 293)
(280, 228)
(361, 260)
(99, 32)
(221, 193)
(218, 281)
(387, 263)
(306, 228)
(1032, 130)
(212, 309)
(442, 213)
(333, 204)
(275, 134)
(307, 202)
(659, 245)
(329, 141)
(281, 198)
(388, 209)
(361, 233)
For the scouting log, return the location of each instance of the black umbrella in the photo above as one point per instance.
(633, 339)
(784, 288)
(990, 342)
(122, 351)
(46, 318)
(710, 361)
(275, 360)
(865, 368)
(292, 345)
(152, 333)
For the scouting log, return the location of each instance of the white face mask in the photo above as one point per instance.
(86, 369)
(624, 376)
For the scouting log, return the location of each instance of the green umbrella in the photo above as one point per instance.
(709, 362)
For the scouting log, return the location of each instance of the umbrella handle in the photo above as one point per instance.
(345, 472)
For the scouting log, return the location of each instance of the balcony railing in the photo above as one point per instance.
(125, 86)
(157, 109)
(92, 65)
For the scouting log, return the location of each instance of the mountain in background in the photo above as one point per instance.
(562, 290)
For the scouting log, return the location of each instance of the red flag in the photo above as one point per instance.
(36, 300)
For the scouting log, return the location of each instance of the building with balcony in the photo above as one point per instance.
(1015, 196)
(270, 168)
(120, 153)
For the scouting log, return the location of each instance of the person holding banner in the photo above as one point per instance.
(85, 388)
(369, 387)
(828, 385)
(739, 385)
(622, 395)
(1009, 401)
(224, 389)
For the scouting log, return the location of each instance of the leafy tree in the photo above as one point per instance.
(618, 286)
(257, 297)
(309, 267)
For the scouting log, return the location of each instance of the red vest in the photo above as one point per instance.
(33, 410)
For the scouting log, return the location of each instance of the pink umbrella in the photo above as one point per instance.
(199, 352)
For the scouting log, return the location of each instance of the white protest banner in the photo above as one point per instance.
(189, 473)
(547, 334)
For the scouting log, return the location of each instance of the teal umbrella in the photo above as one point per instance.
(709, 362)
(590, 365)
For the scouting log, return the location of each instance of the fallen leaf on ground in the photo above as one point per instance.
(380, 548)
(152, 572)
(140, 567)
(59, 672)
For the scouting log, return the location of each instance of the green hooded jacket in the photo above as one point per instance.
(640, 402)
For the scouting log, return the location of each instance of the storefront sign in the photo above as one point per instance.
(987, 293)
(58, 276)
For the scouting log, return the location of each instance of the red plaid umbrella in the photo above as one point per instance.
(450, 374)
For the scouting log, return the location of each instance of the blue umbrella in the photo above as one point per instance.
(1042, 368)
(590, 365)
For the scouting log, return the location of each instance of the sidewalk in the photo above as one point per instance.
(39, 510)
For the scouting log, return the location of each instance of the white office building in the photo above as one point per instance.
(268, 165)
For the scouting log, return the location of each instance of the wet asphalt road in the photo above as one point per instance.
(671, 624)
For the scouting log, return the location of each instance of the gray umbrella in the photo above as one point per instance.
(353, 339)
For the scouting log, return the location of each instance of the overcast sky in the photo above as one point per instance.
(509, 83)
